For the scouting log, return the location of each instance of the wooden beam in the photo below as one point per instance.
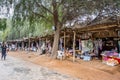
(74, 46)
(96, 28)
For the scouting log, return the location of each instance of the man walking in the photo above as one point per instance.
(4, 48)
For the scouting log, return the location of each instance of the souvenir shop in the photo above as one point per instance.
(110, 52)
(103, 44)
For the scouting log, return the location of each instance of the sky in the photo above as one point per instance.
(4, 13)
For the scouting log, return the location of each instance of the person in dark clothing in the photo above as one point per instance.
(4, 48)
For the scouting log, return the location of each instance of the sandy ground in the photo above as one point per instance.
(17, 69)
(84, 70)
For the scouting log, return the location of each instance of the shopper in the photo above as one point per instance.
(3, 48)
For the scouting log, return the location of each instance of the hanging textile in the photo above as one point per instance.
(96, 47)
(80, 45)
(84, 46)
(100, 44)
(61, 44)
(90, 44)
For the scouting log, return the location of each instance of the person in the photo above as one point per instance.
(4, 49)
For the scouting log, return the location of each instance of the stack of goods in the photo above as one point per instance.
(109, 54)
(112, 62)
(86, 56)
(110, 58)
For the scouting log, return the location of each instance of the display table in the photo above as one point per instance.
(116, 58)
(105, 58)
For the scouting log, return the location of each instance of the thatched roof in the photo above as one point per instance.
(103, 20)
(109, 22)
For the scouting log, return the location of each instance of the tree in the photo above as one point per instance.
(60, 12)
(49, 12)
(5, 30)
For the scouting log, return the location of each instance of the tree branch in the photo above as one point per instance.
(40, 5)
(41, 16)
(38, 14)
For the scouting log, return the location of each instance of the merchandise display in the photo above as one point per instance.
(112, 62)
(87, 45)
(110, 58)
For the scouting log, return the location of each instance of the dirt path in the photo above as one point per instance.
(91, 70)
(17, 69)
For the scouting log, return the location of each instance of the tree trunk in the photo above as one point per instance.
(57, 29)
(55, 43)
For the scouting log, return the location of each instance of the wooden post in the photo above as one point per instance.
(64, 41)
(23, 45)
(74, 46)
(16, 44)
(39, 42)
(39, 46)
(46, 41)
(36, 44)
(29, 44)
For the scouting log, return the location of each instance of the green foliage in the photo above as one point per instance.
(37, 17)
(2, 24)
(5, 31)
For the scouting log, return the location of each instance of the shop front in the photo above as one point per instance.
(110, 47)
